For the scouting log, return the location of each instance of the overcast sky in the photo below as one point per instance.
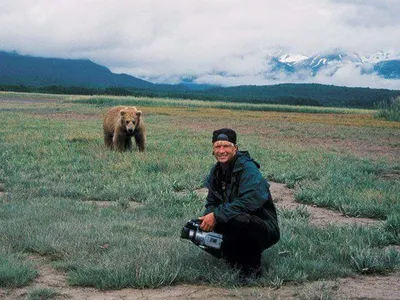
(164, 40)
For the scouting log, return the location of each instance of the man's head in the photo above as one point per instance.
(224, 144)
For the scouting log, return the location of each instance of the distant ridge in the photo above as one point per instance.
(81, 76)
(16, 69)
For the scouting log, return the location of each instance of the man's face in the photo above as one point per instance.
(224, 151)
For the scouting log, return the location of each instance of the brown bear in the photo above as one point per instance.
(120, 124)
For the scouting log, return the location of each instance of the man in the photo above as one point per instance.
(239, 205)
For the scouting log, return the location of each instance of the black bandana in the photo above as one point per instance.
(224, 134)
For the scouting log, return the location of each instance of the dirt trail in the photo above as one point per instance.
(284, 199)
(360, 287)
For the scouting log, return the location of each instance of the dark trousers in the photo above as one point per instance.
(245, 238)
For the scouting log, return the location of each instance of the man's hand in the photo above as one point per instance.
(208, 222)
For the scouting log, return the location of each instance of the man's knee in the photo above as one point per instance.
(235, 225)
(254, 230)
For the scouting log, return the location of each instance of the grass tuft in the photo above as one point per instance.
(14, 271)
(371, 261)
(42, 294)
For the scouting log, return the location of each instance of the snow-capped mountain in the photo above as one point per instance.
(333, 67)
(289, 58)
(385, 64)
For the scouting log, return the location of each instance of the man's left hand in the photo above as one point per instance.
(208, 222)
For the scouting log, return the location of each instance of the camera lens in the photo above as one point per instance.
(185, 233)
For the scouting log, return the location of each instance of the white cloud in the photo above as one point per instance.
(168, 39)
(349, 75)
(340, 77)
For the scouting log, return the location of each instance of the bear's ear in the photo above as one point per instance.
(122, 113)
(139, 113)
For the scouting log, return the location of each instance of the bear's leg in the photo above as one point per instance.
(108, 140)
(118, 143)
(140, 141)
(128, 144)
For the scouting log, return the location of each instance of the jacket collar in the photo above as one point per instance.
(240, 158)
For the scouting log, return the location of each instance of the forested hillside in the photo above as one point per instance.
(26, 70)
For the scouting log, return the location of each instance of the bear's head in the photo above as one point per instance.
(130, 118)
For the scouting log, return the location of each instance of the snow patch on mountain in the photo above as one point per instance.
(329, 62)
(282, 56)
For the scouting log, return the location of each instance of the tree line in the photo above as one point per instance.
(289, 94)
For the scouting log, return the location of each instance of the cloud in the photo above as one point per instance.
(370, 13)
(342, 75)
(166, 40)
(327, 76)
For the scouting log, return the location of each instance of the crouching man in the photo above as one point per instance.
(239, 206)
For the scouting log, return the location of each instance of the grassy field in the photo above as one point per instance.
(55, 172)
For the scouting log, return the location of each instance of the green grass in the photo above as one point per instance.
(354, 187)
(14, 270)
(53, 162)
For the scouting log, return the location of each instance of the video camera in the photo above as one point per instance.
(210, 242)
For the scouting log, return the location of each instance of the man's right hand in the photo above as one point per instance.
(208, 222)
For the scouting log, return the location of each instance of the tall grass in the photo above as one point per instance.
(55, 169)
(389, 110)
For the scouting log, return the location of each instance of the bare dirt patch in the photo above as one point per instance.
(284, 199)
(359, 287)
(362, 287)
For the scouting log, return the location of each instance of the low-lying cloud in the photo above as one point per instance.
(168, 40)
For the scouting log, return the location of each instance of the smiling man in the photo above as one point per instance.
(239, 205)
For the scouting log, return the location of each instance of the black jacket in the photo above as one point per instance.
(246, 192)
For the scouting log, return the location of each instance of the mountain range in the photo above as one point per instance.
(82, 76)
(18, 69)
(384, 64)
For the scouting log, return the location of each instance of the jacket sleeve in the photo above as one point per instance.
(252, 194)
(212, 201)
(211, 204)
